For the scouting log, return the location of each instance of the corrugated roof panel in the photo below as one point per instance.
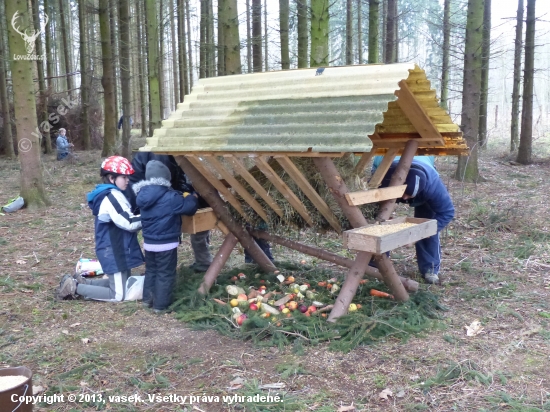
(291, 111)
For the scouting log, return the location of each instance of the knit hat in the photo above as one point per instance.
(157, 169)
(415, 181)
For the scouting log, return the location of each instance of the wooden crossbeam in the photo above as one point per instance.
(309, 191)
(416, 113)
(220, 187)
(229, 178)
(241, 170)
(375, 195)
(283, 188)
(383, 168)
(365, 158)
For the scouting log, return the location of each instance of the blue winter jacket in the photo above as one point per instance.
(161, 209)
(116, 244)
(434, 195)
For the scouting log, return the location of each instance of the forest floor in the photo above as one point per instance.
(496, 268)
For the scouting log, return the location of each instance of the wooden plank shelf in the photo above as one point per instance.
(204, 219)
(359, 239)
(375, 195)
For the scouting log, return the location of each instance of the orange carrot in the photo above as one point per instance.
(380, 294)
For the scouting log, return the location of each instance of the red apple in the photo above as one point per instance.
(241, 319)
(303, 308)
(253, 306)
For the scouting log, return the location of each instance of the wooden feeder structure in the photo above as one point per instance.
(367, 110)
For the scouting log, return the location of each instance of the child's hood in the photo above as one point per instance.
(95, 197)
(148, 192)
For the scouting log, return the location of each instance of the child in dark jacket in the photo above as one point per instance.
(428, 195)
(161, 209)
(116, 244)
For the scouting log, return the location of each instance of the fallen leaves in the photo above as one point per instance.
(385, 394)
(474, 329)
(20, 261)
(348, 408)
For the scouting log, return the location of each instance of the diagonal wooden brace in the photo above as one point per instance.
(210, 194)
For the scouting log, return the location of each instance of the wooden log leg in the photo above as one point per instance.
(338, 188)
(218, 263)
(390, 277)
(409, 284)
(349, 288)
(210, 194)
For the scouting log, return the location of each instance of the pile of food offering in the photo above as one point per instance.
(282, 308)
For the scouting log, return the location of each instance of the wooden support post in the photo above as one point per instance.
(365, 158)
(409, 284)
(390, 277)
(210, 194)
(338, 189)
(218, 263)
(398, 178)
(383, 167)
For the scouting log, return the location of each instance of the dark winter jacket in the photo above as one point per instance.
(434, 194)
(139, 163)
(161, 209)
(116, 243)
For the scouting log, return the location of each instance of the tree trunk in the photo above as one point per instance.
(202, 41)
(302, 17)
(115, 62)
(257, 35)
(359, 32)
(525, 150)
(231, 37)
(283, 21)
(189, 48)
(153, 65)
(518, 44)
(266, 55)
(221, 46)
(44, 124)
(160, 60)
(485, 60)
(141, 69)
(248, 37)
(391, 33)
(49, 46)
(319, 33)
(445, 54)
(211, 46)
(7, 137)
(182, 38)
(467, 169)
(374, 30)
(32, 184)
(107, 81)
(125, 62)
(84, 82)
(66, 52)
(349, 32)
(174, 47)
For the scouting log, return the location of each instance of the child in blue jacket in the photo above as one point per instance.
(116, 244)
(161, 208)
(428, 195)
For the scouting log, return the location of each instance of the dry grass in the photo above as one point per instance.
(496, 264)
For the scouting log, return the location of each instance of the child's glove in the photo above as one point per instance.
(185, 194)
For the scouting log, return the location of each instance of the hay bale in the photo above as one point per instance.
(345, 166)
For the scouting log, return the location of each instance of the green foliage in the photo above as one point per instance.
(377, 320)
(518, 405)
(453, 372)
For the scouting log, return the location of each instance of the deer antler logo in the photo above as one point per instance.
(29, 39)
